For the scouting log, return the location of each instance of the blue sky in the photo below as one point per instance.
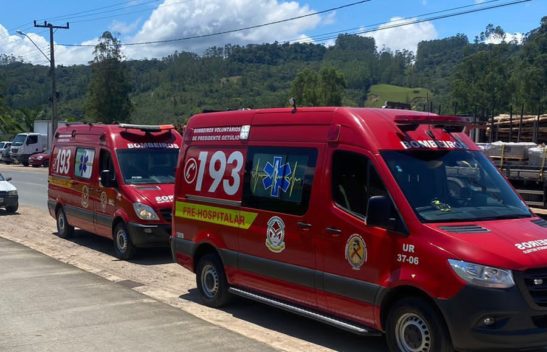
(150, 20)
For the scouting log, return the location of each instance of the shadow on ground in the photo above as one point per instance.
(302, 328)
(3, 212)
(144, 256)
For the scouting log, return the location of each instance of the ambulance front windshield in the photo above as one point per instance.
(455, 185)
(148, 165)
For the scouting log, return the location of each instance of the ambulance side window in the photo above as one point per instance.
(279, 179)
(83, 167)
(105, 163)
(354, 181)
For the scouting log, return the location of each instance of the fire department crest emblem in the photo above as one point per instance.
(356, 251)
(275, 235)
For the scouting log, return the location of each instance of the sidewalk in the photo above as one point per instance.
(46, 305)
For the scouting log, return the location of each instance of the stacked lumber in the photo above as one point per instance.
(530, 124)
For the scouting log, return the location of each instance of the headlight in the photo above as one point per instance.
(12, 193)
(481, 275)
(39, 157)
(145, 212)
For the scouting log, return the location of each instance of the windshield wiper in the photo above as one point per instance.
(502, 217)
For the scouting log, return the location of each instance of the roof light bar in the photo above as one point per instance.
(147, 128)
(449, 123)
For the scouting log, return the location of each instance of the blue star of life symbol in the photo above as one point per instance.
(84, 158)
(276, 176)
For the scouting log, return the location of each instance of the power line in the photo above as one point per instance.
(236, 30)
(348, 30)
(434, 18)
(91, 12)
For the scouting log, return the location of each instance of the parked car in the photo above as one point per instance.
(5, 145)
(9, 198)
(5, 155)
(39, 159)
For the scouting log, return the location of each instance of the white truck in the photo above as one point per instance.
(26, 144)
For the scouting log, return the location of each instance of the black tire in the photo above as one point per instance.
(211, 281)
(64, 229)
(25, 163)
(123, 246)
(12, 209)
(413, 325)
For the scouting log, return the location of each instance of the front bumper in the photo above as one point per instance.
(149, 235)
(9, 201)
(517, 325)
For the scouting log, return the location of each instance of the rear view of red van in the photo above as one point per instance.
(115, 181)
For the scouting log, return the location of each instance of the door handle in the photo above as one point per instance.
(303, 225)
(333, 230)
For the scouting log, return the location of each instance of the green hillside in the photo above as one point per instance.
(380, 93)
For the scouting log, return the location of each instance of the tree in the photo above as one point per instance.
(304, 88)
(108, 92)
(323, 89)
(331, 87)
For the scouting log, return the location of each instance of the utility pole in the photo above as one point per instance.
(52, 71)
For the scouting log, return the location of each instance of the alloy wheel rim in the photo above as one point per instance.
(121, 240)
(61, 223)
(209, 281)
(413, 334)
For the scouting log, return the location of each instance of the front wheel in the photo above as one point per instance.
(12, 208)
(64, 229)
(413, 325)
(211, 281)
(123, 246)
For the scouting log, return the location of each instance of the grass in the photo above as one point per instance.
(380, 93)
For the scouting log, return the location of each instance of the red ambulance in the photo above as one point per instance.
(115, 181)
(371, 220)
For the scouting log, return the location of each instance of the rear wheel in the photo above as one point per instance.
(211, 281)
(413, 325)
(64, 229)
(123, 247)
(25, 163)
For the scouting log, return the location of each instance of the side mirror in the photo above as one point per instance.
(381, 213)
(8, 179)
(107, 179)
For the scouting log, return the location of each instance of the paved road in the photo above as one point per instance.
(31, 184)
(49, 306)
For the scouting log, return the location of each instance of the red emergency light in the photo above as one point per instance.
(449, 123)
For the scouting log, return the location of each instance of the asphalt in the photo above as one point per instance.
(31, 184)
(46, 305)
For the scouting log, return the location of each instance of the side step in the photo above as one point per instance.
(356, 329)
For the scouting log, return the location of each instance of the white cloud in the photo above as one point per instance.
(176, 19)
(125, 28)
(21, 46)
(403, 37)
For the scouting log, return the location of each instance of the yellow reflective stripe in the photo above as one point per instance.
(215, 215)
(60, 181)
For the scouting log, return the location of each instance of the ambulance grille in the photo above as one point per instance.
(536, 282)
(464, 229)
(540, 222)
(166, 213)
